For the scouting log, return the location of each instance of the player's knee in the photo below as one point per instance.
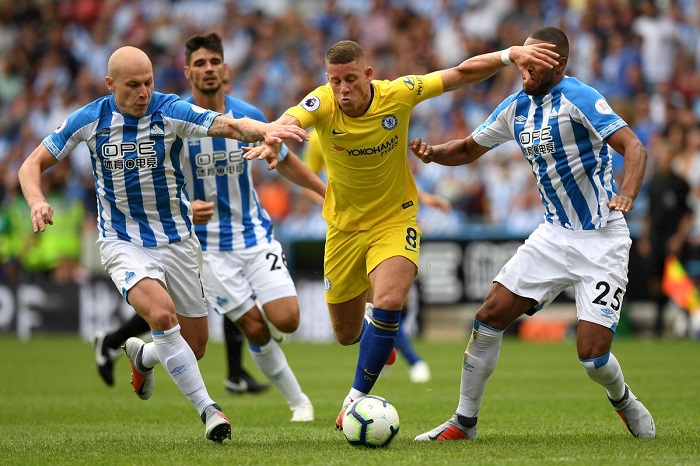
(390, 301)
(592, 350)
(499, 311)
(289, 322)
(346, 337)
(593, 340)
(344, 340)
(161, 319)
(489, 315)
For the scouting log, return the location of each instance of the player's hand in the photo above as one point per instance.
(249, 130)
(535, 55)
(202, 211)
(275, 134)
(421, 150)
(41, 213)
(264, 151)
(271, 133)
(621, 203)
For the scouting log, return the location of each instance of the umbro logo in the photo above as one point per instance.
(606, 312)
(128, 276)
(520, 120)
(157, 131)
(553, 113)
(178, 369)
(221, 301)
(102, 132)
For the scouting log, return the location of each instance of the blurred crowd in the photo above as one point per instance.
(644, 56)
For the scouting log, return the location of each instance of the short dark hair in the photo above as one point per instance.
(345, 51)
(211, 42)
(553, 36)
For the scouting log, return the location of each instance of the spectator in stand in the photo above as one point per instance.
(660, 43)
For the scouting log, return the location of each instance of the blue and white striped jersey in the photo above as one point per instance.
(216, 171)
(562, 134)
(136, 165)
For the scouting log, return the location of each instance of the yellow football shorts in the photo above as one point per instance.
(351, 255)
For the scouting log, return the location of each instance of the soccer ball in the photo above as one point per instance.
(370, 422)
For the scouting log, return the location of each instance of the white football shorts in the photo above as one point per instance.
(176, 265)
(594, 262)
(234, 279)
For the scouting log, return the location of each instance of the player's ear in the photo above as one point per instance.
(561, 66)
(110, 83)
(369, 73)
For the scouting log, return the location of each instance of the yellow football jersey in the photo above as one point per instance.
(313, 156)
(366, 158)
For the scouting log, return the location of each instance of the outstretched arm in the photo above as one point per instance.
(249, 130)
(269, 150)
(484, 66)
(625, 142)
(451, 153)
(30, 180)
(292, 168)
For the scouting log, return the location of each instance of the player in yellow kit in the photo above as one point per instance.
(419, 371)
(372, 239)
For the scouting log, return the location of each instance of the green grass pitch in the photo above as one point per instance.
(539, 408)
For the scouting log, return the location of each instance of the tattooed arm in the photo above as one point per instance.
(248, 130)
